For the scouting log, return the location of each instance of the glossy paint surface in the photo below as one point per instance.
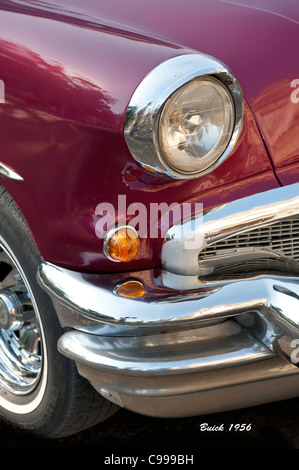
(70, 69)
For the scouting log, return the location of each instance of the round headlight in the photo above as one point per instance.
(196, 125)
(185, 117)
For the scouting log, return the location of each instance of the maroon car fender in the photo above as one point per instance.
(63, 116)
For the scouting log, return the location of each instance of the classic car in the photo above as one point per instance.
(149, 208)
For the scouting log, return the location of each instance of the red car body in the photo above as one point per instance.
(70, 69)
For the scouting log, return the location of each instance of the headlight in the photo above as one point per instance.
(185, 117)
(196, 125)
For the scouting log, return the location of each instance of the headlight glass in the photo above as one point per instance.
(196, 125)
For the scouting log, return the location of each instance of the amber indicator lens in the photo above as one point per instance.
(131, 289)
(123, 244)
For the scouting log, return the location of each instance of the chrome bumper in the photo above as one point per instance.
(189, 345)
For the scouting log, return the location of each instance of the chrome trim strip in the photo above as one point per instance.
(9, 173)
(221, 222)
(143, 112)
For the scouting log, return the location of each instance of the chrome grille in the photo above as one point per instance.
(282, 238)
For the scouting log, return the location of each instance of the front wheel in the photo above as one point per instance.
(40, 390)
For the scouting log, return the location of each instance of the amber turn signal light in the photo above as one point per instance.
(122, 244)
(131, 289)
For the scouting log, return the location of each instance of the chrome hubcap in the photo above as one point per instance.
(20, 339)
(10, 311)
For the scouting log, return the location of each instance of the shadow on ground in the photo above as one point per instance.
(273, 426)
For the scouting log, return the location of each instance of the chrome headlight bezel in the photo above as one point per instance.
(141, 129)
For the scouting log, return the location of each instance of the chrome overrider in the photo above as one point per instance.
(192, 344)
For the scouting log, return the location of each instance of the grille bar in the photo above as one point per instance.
(282, 238)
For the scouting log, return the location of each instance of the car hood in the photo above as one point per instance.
(155, 17)
(256, 39)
